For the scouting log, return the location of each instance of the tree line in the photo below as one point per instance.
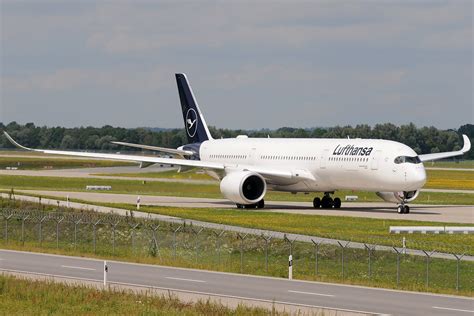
(421, 139)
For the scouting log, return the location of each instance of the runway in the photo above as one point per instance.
(435, 213)
(224, 286)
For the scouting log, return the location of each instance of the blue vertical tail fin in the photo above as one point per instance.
(194, 123)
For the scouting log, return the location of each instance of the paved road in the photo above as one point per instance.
(382, 210)
(350, 298)
(230, 228)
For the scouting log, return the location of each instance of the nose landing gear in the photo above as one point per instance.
(403, 209)
(326, 202)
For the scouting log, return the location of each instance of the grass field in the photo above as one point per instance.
(26, 297)
(450, 179)
(199, 190)
(450, 164)
(27, 163)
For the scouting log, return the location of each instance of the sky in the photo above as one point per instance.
(252, 64)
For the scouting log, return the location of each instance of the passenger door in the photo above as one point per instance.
(374, 164)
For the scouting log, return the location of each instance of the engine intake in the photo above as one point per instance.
(243, 187)
(399, 197)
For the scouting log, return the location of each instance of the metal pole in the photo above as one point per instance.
(342, 256)
(398, 265)
(316, 256)
(458, 259)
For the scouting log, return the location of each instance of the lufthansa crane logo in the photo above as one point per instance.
(191, 122)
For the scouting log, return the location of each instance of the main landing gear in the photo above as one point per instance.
(403, 209)
(259, 204)
(326, 202)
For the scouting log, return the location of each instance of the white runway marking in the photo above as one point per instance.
(453, 309)
(310, 293)
(79, 268)
(189, 280)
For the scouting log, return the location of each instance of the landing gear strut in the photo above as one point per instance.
(326, 202)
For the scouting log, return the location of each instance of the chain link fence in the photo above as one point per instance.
(183, 244)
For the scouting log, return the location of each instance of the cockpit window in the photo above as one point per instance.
(402, 159)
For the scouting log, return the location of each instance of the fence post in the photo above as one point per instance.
(175, 231)
(316, 256)
(458, 259)
(75, 231)
(267, 240)
(241, 237)
(154, 228)
(196, 241)
(133, 227)
(58, 221)
(218, 244)
(343, 247)
(398, 264)
(428, 257)
(370, 250)
(7, 218)
(114, 227)
(23, 219)
(94, 224)
(42, 219)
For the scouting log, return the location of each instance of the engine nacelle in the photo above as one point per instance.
(244, 187)
(399, 197)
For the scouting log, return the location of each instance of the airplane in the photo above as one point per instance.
(248, 167)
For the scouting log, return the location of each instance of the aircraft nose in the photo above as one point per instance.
(418, 177)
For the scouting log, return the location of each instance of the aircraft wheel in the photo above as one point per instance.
(406, 209)
(317, 202)
(337, 203)
(400, 209)
(326, 202)
(240, 206)
(261, 204)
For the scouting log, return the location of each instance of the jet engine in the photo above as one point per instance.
(399, 197)
(243, 187)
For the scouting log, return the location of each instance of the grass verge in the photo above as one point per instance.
(28, 297)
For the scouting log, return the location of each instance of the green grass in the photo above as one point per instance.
(26, 163)
(199, 190)
(450, 179)
(450, 164)
(26, 297)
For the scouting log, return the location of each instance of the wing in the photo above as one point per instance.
(155, 148)
(265, 172)
(135, 158)
(437, 156)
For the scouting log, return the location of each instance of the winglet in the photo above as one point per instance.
(467, 144)
(14, 142)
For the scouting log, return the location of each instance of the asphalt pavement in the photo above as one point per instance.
(243, 287)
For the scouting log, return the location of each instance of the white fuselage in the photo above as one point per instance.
(325, 164)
